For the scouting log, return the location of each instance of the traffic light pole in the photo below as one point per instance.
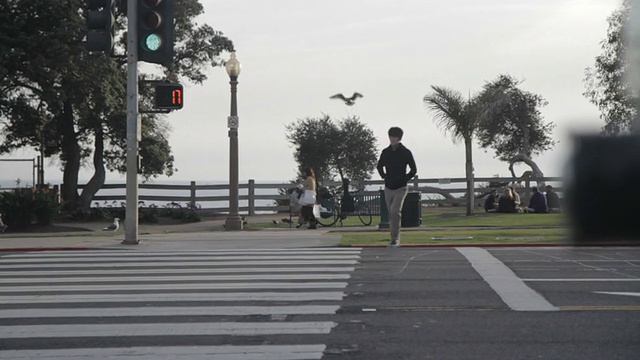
(133, 127)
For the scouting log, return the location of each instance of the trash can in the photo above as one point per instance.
(412, 210)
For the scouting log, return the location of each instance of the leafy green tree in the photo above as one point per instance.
(458, 117)
(57, 97)
(605, 82)
(346, 149)
(514, 128)
(314, 140)
(354, 155)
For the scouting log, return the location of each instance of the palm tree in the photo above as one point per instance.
(458, 117)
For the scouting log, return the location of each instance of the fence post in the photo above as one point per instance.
(416, 182)
(527, 192)
(384, 212)
(56, 191)
(193, 195)
(252, 197)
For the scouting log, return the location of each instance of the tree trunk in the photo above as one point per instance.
(468, 146)
(535, 169)
(99, 175)
(71, 157)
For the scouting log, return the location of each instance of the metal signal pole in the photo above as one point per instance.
(133, 127)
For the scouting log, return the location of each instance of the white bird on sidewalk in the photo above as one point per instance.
(112, 227)
(3, 226)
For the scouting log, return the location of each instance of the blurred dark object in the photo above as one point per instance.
(603, 190)
(412, 210)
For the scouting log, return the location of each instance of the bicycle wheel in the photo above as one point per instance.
(364, 214)
(330, 220)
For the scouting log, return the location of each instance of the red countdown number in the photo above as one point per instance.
(169, 96)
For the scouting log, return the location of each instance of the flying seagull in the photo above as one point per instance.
(112, 227)
(349, 101)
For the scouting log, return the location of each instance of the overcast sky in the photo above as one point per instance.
(295, 54)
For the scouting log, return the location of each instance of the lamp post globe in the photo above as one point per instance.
(233, 66)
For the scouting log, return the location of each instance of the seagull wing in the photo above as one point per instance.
(112, 227)
(356, 95)
(338, 96)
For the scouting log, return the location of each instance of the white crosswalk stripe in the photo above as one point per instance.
(158, 305)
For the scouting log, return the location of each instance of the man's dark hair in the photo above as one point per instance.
(534, 189)
(549, 187)
(396, 132)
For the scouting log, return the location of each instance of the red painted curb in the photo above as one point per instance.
(25, 249)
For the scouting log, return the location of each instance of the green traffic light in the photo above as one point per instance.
(152, 42)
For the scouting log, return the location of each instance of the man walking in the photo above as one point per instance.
(392, 167)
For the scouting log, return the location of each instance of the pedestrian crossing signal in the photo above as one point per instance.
(169, 96)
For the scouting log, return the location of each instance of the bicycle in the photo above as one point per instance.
(333, 210)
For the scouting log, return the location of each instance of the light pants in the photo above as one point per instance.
(395, 199)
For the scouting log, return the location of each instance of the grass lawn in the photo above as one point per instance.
(457, 217)
(555, 235)
(454, 217)
(532, 228)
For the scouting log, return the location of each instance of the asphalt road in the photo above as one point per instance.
(322, 303)
(495, 303)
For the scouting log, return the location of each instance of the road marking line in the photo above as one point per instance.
(567, 261)
(205, 286)
(600, 308)
(155, 264)
(166, 259)
(618, 293)
(165, 329)
(582, 280)
(170, 311)
(180, 271)
(84, 254)
(504, 282)
(147, 279)
(172, 297)
(224, 352)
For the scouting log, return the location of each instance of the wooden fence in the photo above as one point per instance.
(435, 192)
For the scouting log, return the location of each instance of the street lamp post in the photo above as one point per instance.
(233, 221)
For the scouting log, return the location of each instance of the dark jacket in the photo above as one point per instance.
(538, 202)
(553, 200)
(507, 205)
(490, 203)
(392, 166)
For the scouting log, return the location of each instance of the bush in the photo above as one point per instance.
(45, 207)
(20, 207)
(148, 215)
(191, 216)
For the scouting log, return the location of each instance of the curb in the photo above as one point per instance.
(496, 245)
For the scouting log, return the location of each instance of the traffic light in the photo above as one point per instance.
(101, 25)
(169, 96)
(155, 31)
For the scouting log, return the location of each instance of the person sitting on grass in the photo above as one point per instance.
(507, 203)
(516, 196)
(538, 203)
(490, 203)
(553, 200)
